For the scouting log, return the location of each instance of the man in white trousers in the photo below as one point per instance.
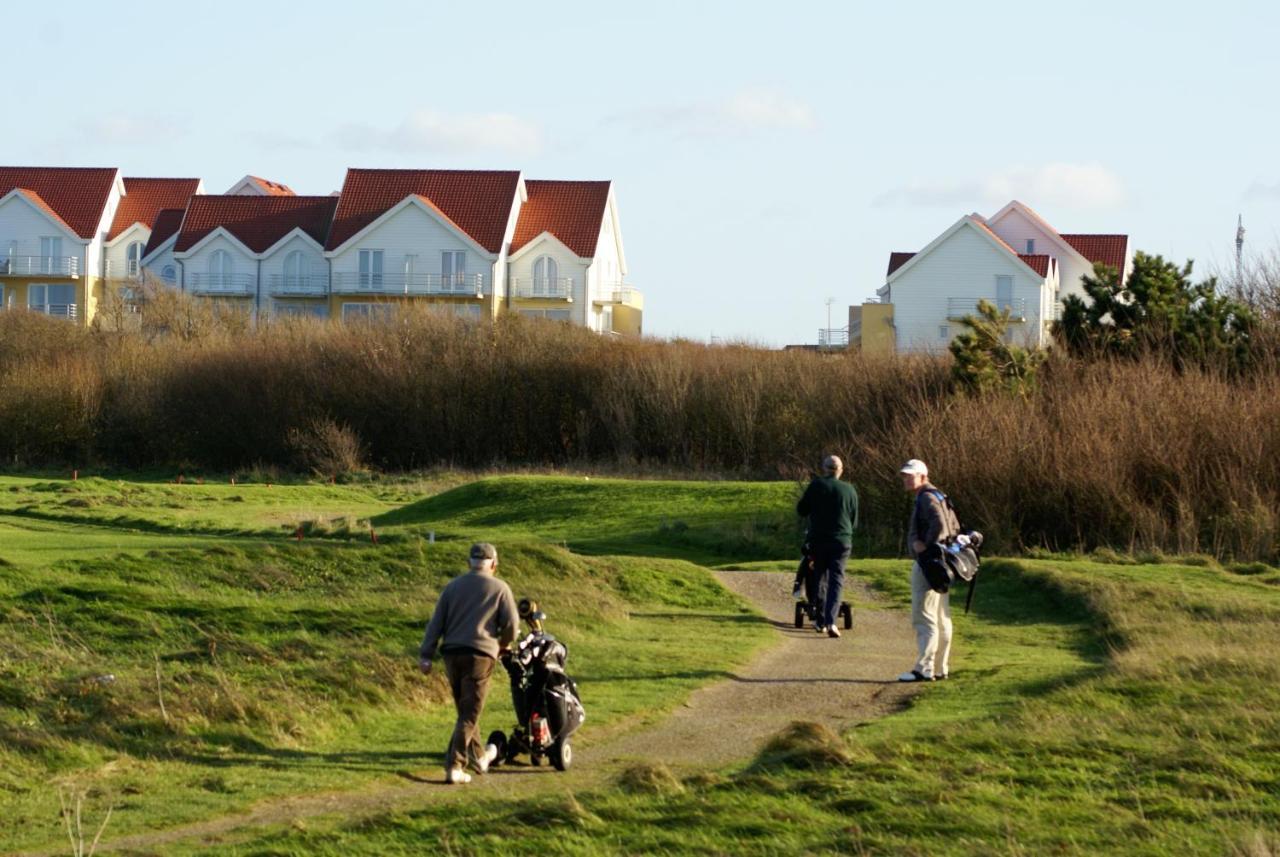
(932, 521)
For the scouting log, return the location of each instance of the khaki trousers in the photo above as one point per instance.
(469, 680)
(931, 617)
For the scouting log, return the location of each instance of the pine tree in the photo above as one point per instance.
(985, 360)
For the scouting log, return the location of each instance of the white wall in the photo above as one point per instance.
(23, 224)
(1016, 228)
(965, 266)
(198, 262)
(116, 254)
(155, 265)
(93, 258)
(568, 265)
(413, 231)
(312, 259)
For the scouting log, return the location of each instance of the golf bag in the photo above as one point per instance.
(548, 708)
(815, 595)
(957, 560)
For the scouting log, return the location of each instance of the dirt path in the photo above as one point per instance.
(803, 676)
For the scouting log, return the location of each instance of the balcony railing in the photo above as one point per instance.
(452, 285)
(620, 294)
(556, 288)
(67, 311)
(301, 285)
(14, 265)
(833, 337)
(958, 308)
(222, 284)
(125, 270)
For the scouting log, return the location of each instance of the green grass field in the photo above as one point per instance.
(1096, 707)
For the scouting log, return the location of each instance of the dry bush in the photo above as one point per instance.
(1131, 456)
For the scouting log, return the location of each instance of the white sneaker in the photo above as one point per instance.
(483, 763)
(457, 776)
(913, 675)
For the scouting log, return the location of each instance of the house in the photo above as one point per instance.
(157, 255)
(264, 254)
(567, 260)
(256, 186)
(53, 222)
(1014, 259)
(135, 217)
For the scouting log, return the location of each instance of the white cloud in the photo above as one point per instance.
(748, 110)
(1263, 191)
(430, 131)
(121, 130)
(1070, 185)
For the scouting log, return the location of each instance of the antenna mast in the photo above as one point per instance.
(1239, 249)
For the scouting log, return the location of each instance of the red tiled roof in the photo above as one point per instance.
(258, 222)
(896, 261)
(1108, 249)
(166, 225)
(271, 188)
(1038, 262)
(981, 222)
(77, 195)
(478, 202)
(572, 211)
(144, 197)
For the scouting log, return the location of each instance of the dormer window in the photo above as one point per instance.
(1031, 246)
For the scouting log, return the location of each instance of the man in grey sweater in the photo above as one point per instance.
(476, 619)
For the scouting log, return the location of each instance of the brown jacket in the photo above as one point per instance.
(931, 520)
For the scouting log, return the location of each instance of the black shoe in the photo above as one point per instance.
(914, 675)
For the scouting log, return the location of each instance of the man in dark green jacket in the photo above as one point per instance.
(832, 509)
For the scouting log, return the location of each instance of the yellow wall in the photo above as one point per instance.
(336, 302)
(628, 320)
(88, 290)
(877, 335)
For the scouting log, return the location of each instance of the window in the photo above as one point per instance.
(944, 331)
(133, 258)
(293, 268)
(3, 302)
(51, 259)
(545, 274)
(368, 312)
(1004, 292)
(59, 300)
(453, 269)
(301, 309)
(606, 320)
(220, 269)
(370, 272)
(548, 314)
(410, 267)
(169, 274)
(1031, 246)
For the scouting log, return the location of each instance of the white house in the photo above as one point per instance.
(257, 186)
(143, 200)
(1013, 259)
(157, 255)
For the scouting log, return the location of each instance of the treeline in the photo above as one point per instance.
(1128, 454)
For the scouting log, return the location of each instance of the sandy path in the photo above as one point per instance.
(803, 676)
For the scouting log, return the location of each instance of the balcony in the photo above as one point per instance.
(958, 308)
(621, 293)
(67, 311)
(833, 337)
(298, 285)
(18, 265)
(552, 288)
(222, 284)
(123, 270)
(408, 283)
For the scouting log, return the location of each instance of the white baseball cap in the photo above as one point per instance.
(915, 466)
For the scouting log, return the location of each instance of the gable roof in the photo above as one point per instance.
(145, 197)
(897, 260)
(572, 211)
(266, 187)
(1109, 249)
(477, 202)
(167, 222)
(76, 195)
(257, 222)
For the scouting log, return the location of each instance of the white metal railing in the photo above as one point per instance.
(67, 311)
(298, 284)
(619, 293)
(958, 308)
(14, 265)
(833, 337)
(560, 288)
(123, 270)
(408, 283)
(1058, 309)
(222, 284)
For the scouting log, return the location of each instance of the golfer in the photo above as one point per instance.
(931, 522)
(476, 618)
(832, 509)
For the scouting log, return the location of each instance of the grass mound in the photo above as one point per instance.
(648, 778)
(805, 746)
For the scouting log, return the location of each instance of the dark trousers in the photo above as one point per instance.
(829, 559)
(469, 680)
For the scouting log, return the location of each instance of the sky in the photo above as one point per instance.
(767, 157)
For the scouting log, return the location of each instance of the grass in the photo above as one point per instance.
(1095, 709)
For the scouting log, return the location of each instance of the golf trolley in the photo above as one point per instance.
(548, 708)
(815, 591)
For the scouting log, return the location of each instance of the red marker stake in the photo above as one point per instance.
(373, 535)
